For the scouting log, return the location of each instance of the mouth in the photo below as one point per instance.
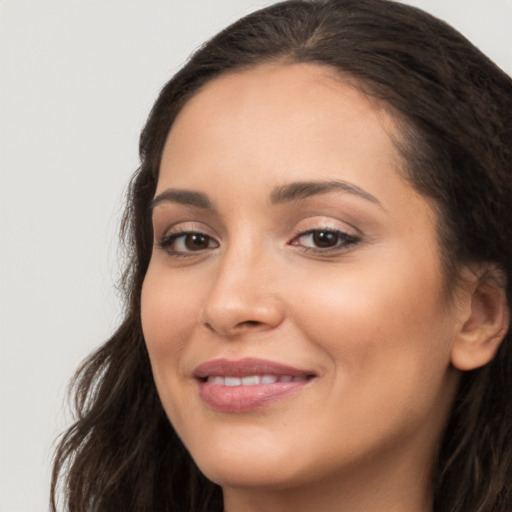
(247, 384)
(253, 380)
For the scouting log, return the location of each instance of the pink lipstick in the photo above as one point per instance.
(247, 384)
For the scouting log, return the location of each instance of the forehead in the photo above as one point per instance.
(277, 117)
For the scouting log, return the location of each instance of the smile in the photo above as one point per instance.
(247, 384)
(253, 380)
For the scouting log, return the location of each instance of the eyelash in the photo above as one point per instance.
(168, 240)
(344, 241)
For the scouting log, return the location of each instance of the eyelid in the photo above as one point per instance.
(185, 227)
(346, 234)
(345, 240)
(326, 223)
(178, 234)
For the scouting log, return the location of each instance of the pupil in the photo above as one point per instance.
(195, 242)
(325, 239)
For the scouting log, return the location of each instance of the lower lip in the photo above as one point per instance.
(246, 398)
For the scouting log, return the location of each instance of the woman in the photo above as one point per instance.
(317, 312)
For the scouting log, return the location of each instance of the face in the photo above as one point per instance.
(294, 307)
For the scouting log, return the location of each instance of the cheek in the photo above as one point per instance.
(387, 324)
(167, 317)
(389, 347)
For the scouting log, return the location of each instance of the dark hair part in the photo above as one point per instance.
(454, 108)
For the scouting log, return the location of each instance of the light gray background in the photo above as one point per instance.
(77, 80)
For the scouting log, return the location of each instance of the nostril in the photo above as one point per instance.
(249, 323)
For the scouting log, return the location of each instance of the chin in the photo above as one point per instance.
(243, 465)
(250, 474)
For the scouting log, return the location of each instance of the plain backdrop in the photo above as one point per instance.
(78, 78)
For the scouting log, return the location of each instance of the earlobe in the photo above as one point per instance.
(485, 325)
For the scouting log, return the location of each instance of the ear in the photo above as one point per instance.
(485, 320)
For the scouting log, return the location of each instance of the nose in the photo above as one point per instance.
(243, 296)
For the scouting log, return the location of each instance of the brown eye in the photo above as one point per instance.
(325, 238)
(186, 243)
(196, 242)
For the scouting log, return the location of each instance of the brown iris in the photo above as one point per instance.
(196, 242)
(325, 238)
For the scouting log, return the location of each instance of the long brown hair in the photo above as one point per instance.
(454, 107)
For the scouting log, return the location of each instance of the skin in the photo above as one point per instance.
(369, 318)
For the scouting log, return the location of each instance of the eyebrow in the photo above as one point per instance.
(282, 194)
(304, 189)
(186, 197)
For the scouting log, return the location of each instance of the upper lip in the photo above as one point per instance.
(246, 367)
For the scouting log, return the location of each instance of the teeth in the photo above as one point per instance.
(253, 380)
(232, 381)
